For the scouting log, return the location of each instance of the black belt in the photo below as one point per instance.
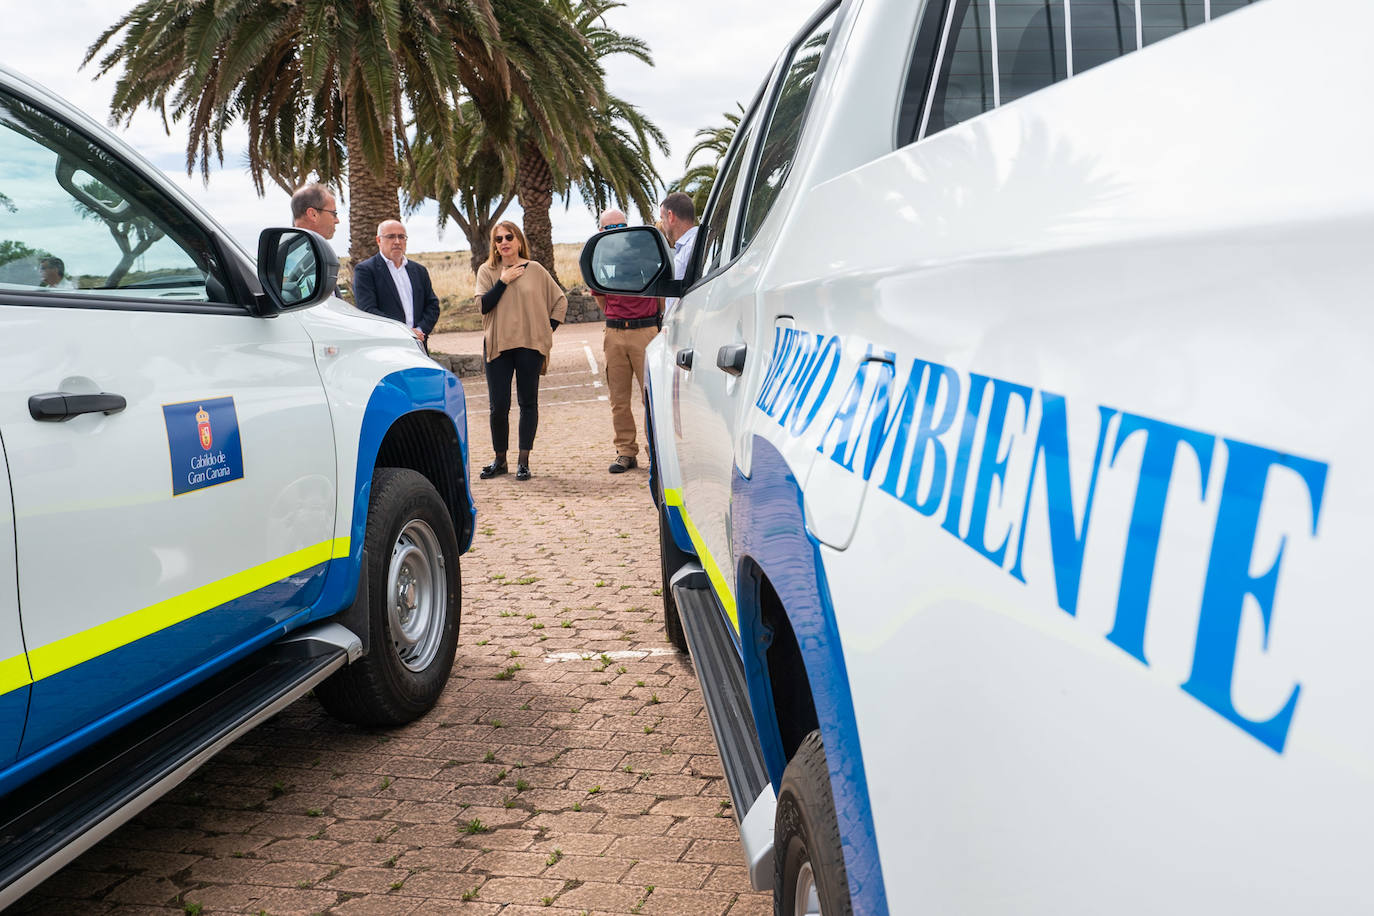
(629, 324)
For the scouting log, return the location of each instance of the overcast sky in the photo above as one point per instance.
(708, 55)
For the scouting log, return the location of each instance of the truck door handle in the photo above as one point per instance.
(59, 405)
(730, 358)
(684, 359)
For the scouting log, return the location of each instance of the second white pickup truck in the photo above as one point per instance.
(1012, 492)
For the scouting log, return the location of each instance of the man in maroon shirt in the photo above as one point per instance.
(631, 322)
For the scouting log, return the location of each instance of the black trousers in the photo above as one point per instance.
(524, 364)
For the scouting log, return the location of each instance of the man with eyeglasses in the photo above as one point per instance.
(313, 208)
(390, 285)
(631, 322)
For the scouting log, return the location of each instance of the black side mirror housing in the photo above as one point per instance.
(297, 269)
(635, 261)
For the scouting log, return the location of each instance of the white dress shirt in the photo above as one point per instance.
(402, 281)
(682, 253)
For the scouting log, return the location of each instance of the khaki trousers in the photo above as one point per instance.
(623, 351)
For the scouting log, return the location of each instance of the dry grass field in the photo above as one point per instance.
(454, 282)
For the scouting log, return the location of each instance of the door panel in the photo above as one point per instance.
(143, 549)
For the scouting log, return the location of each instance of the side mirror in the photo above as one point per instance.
(297, 269)
(635, 261)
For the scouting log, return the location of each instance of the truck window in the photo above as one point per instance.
(779, 144)
(712, 241)
(76, 221)
(971, 56)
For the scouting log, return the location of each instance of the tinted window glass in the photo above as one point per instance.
(718, 213)
(966, 89)
(784, 129)
(1102, 30)
(75, 220)
(996, 51)
(1030, 46)
(1162, 18)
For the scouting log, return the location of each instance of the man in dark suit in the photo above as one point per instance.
(388, 284)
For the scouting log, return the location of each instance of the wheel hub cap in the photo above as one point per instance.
(417, 595)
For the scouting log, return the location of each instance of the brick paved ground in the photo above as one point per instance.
(569, 767)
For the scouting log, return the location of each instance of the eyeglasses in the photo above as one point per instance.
(395, 236)
(508, 237)
(613, 226)
(334, 213)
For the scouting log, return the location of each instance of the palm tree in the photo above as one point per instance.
(696, 182)
(619, 168)
(499, 152)
(330, 86)
(473, 186)
(613, 155)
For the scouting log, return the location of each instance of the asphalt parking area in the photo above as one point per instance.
(568, 768)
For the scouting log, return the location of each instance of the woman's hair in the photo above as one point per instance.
(494, 259)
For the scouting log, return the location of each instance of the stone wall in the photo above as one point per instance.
(582, 307)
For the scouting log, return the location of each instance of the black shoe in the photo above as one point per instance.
(495, 469)
(522, 472)
(623, 464)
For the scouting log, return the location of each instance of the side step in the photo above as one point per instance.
(48, 822)
(721, 674)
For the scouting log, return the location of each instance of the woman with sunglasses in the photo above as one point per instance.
(521, 308)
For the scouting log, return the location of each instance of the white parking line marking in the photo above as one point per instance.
(623, 655)
(591, 361)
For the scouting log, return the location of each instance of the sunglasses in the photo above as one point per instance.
(508, 237)
(613, 226)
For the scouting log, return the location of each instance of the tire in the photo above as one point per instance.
(808, 862)
(414, 597)
(670, 558)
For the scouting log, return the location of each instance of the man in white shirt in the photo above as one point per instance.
(313, 207)
(679, 219)
(54, 273)
(390, 285)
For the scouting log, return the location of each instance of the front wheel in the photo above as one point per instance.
(809, 877)
(414, 596)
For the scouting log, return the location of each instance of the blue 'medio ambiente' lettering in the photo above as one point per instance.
(874, 408)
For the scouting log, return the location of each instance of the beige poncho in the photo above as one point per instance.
(521, 318)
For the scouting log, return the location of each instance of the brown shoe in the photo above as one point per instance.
(623, 464)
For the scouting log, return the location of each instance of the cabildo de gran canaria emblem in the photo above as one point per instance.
(203, 443)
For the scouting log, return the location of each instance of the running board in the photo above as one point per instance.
(48, 822)
(720, 672)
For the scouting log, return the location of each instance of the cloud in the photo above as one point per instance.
(708, 55)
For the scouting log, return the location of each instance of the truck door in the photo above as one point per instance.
(709, 326)
(732, 316)
(170, 454)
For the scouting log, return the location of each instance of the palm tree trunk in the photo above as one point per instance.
(479, 243)
(372, 197)
(477, 230)
(534, 184)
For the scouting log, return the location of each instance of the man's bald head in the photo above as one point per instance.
(612, 219)
(391, 240)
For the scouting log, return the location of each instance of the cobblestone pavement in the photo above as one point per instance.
(568, 768)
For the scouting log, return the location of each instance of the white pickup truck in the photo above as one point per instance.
(221, 488)
(1004, 452)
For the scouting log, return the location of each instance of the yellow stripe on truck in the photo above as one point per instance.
(14, 673)
(55, 657)
(726, 597)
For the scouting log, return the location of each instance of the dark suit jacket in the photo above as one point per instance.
(374, 291)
